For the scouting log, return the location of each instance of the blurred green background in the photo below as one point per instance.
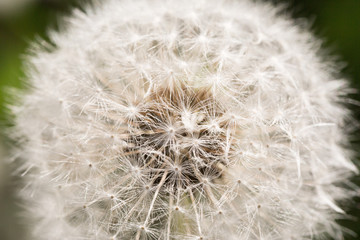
(23, 21)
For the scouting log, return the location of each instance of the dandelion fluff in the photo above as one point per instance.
(183, 120)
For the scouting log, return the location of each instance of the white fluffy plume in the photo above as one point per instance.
(183, 120)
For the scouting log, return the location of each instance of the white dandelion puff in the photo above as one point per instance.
(183, 120)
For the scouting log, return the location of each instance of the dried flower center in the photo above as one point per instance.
(181, 133)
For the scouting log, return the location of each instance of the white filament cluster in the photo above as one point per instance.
(183, 120)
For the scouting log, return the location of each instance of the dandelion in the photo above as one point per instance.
(183, 120)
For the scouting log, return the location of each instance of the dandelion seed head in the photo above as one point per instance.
(183, 120)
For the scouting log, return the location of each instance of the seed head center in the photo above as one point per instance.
(174, 134)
